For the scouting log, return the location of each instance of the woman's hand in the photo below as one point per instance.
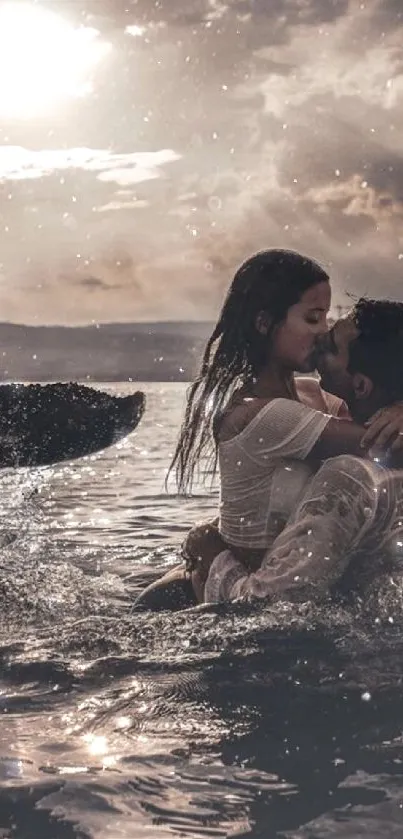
(385, 429)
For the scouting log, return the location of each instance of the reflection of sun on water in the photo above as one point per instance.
(98, 746)
(42, 59)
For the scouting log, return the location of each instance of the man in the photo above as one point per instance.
(352, 510)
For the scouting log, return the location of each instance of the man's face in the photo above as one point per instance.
(333, 358)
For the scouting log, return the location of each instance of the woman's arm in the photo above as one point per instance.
(342, 436)
(286, 428)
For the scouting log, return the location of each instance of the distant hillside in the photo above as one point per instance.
(168, 351)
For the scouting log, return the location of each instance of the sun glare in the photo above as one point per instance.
(43, 59)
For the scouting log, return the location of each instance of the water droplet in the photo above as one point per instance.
(214, 203)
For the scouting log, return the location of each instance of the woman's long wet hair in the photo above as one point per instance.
(270, 282)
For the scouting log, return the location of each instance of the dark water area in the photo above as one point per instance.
(282, 721)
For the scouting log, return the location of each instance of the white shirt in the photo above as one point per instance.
(264, 470)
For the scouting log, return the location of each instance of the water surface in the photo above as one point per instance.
(236, 721)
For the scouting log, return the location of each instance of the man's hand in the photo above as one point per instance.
(385, 429)
(202, 544)
(200, 548)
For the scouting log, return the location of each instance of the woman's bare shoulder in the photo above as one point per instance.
(238, 415)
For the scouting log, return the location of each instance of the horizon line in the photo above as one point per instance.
(100, 323)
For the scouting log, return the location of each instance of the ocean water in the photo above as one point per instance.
(266, 722)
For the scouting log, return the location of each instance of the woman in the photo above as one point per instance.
(246, 410)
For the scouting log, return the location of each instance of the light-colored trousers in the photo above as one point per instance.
(351, 514)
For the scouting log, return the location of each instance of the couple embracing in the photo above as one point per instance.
(311, 472)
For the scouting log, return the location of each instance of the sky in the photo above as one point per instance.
(147, 149)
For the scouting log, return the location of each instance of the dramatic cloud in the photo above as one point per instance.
(213, 129)
(20, 164)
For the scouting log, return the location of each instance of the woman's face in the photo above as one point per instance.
(293, 343)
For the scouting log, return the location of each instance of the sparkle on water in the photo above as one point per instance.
(282, 720)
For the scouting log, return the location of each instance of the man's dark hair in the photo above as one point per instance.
(378, 350)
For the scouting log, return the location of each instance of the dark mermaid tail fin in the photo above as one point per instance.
(44, 424)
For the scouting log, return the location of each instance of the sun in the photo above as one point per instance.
(43, 59)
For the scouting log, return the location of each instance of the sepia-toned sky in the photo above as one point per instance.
(147, 148)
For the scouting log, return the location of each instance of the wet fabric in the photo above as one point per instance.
(352, 508)
(263, 471)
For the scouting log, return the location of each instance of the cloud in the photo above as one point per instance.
(93, 283)
(196, 12)
(355, 197)
(135, 31)
(113, 206)
(284, 121)
(17, 163)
